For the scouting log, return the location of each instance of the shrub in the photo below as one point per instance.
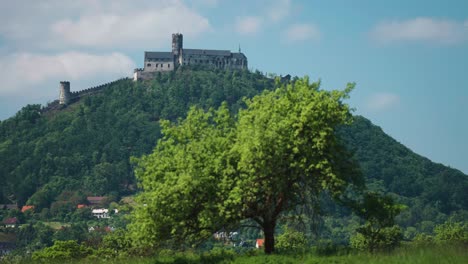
(62, 250)
(423, 239)
(291, 241)
(371, 239)
(452, 232)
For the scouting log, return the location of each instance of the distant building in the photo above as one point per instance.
(10, 222)
(102, 213)
(8, 206)
(157, 61)
(26, 208)
(96, 200)
(259, 243)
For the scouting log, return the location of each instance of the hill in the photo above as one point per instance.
(51, 156)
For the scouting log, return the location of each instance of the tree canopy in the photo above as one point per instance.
(212, 170)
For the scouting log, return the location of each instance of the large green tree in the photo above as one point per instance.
(212, 170)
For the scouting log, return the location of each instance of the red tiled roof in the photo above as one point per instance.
(260, 242)
(27, 207)
(10, 221)
(95, 199)
(81, 206)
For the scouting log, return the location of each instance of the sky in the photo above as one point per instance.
(409, 59)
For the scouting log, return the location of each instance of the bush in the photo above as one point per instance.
(370, 239)
(423, 239)
(451, 232)
(291, 241)
(62, 250)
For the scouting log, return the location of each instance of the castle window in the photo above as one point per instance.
(168, 65)
(148, 65)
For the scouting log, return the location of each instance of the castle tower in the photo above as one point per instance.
(177, 43)
(65, 95)
(177, 47)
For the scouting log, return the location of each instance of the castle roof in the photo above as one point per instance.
(207, 52)
(158, 55)
(239, 55)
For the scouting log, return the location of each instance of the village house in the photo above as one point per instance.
(96, 200)
(106, 229)
(26, 208)
(8, 206)
(259, 243)
(102, 213)
(10, 222)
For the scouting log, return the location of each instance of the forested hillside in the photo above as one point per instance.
(86, 147)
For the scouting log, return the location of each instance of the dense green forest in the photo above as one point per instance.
(87, 145)
(54, 159)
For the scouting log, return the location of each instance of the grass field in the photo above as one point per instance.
(56, 225)
(413, 255)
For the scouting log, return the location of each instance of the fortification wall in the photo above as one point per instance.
(74, 96)
(94, 89)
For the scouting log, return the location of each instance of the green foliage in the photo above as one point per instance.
(451, 232)
(326, 247)
(62, 250)
(210, 170)
(291, 241)
(371, 239)
(34, 236)
(379, 231)
(87, 145)
(431, 191)
(422, 239)
(118, 240)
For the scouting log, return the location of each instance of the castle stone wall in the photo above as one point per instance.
(66, 97)
(168, 61)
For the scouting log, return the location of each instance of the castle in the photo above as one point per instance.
(163, 62)
(168, 61)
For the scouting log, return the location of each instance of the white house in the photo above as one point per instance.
(102, 213)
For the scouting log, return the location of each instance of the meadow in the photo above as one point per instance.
(442, 254)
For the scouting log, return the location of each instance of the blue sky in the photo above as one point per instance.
(408, 58)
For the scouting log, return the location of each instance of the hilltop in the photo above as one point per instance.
(85, 148)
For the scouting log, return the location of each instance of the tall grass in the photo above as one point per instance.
(413, 255)
(454, 254)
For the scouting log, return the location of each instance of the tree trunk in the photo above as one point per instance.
(269, 232)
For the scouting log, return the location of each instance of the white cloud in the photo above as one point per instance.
(421, 29)
(98, 23)
(24, 73)
(136, 29)
(248, 25)
(382, 101)
(301, 32)
(279, 10)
